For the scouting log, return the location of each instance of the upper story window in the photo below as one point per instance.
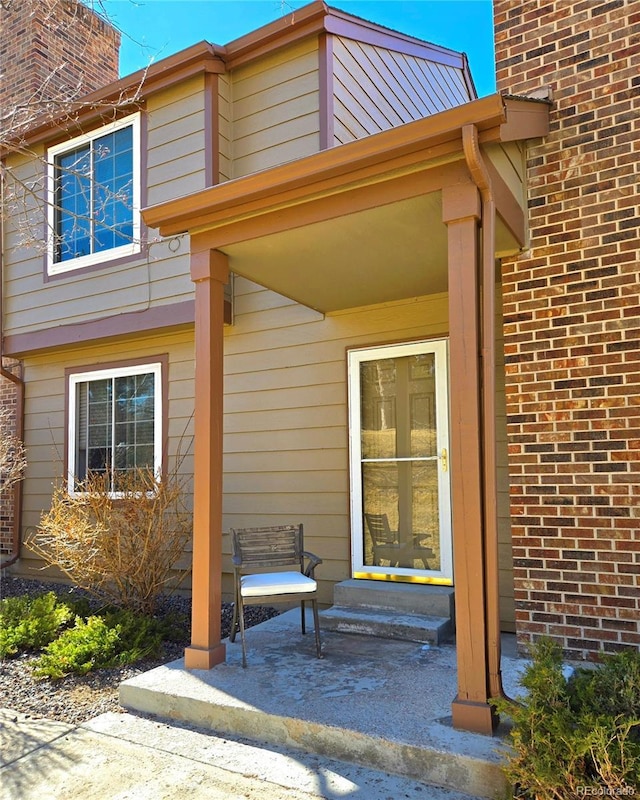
(115, 423)
(94, 197)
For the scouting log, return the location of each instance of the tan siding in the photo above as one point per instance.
(286, 432)
(176, 142)
(375, 89)
(175, 165)
(45, 412)
(225, 131)
(275, 109)
(509, 160)
(286, 424)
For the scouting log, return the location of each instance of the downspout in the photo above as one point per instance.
(480, 176)
(19, 387)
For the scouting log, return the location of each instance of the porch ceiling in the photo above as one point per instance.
(373, 256)
(378, 255)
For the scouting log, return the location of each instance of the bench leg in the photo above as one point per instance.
(316, 625)
(244, 646)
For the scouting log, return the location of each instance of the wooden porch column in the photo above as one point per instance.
(461, 211)
(210, 272)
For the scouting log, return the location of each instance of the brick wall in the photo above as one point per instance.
(8, 400)
(572, 326)
(52, 49)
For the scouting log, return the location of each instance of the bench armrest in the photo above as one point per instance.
(314, 560)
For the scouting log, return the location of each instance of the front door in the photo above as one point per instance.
(399, 444)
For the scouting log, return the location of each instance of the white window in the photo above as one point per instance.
(94, 197)
(115, 422)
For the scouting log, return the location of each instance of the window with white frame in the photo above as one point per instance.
(115, 423)
(94, 196)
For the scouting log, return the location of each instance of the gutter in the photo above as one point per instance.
(480, 176)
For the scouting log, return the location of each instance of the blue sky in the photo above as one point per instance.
(154, 29)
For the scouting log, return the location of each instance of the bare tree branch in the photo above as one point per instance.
(13, 460)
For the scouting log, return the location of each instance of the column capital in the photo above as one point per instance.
(209, 265)
(460, 201)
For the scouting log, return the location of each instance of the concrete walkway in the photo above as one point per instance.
(128, 757)
(369, 721)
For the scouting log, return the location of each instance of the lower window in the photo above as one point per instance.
(115, 423)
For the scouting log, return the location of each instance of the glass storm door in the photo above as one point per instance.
(400, 497)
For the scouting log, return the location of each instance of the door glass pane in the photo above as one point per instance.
(400, 492)
(425, 530)
(421, 399)
(378, 408)
(380, 498)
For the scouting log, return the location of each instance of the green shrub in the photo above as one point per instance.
(114, 639)
(614, 689)
(138, 636)
(88, 645)
(30, 623)
(571, 736)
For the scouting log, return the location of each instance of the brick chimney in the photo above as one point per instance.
(572, 326)
(52, 50)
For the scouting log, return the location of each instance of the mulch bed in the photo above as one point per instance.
(76, 699)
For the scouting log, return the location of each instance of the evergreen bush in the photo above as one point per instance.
(30, 623)
(113, 639)
(578, 736)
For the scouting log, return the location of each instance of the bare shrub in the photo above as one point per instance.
(13, 460)
(123, 548)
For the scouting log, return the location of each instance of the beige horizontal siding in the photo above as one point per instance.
(45, 414)
(286, 423)
(176, 143)
(275, 109)
(224, 128)
(286, 427)
(375, 89)
(175, 165)
(509, 159)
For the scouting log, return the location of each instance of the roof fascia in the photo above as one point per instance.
(468, 78)
(525, 119)
(317, 18)
(415, 142)
(290, 28)
(342, 24)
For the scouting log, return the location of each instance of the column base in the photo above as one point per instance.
(472, 716)
(201, 658)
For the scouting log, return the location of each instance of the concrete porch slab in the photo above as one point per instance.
(380, 703)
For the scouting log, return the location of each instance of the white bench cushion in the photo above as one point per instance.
(273, 583)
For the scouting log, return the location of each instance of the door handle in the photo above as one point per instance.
(444, 457)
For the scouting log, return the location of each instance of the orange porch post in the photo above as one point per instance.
(461, 212)
(210, 272)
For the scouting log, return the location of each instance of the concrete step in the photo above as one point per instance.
(411, 598)
(387, 624)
